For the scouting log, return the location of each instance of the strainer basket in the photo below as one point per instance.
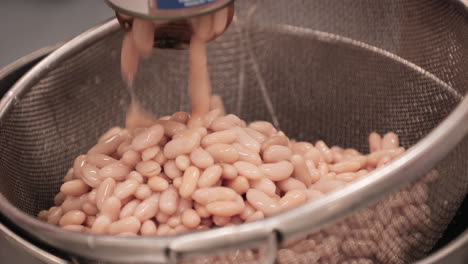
(332, 70)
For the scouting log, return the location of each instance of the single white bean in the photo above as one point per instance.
(118, 171)
(262, 202)
(301, 148)
(158, 184)
(148, 208)
(181, 117)
(148, 228)
(276, 153)
(134, 175)
(221, 137)
(148, 168)
(74, 187)
(390, 141)
(301, 171)
(99, 160)
(345, 166)
(78, 164)
(210, 176)
(74, 217)
(263, 127)
(266, 185)
(148, 138)
(247, 155)
(275, 140)
(239, 184)
(143, 192)
(191, 219)
(109, 146)
(171, 127)
(201, 158)
(54, 215)
(111, 208)
(225, 123)
(205, 196)
(255, 135)
(130, 224)
(292, 199)
(226, 208)
(277, 171)
(223, 153)
(129, 209)
(101, 225)
(291, 184)
(229, 171)
(189, 181)
(90, 209)
(327, 154)
(375, 142)
(171, 170)
(74, 203)
(126, 189)
(181, 145)
(248, 170)
(259, 215)
(182, 162)
(169, 201)
(246, 140)
(104, 191)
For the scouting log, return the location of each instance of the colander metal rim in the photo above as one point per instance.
(339, 204)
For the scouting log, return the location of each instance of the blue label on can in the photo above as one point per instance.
(176, 4)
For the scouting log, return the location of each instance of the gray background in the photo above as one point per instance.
(27, 25)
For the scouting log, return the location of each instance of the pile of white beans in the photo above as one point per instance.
(170, 178)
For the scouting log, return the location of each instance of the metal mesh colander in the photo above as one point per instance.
(332, 70)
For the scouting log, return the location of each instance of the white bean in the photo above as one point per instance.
(182, 162)
(189, 181)
(277, 171)
(148, 138)
(292, 199)
(223, 153)
(148, 208)
(169, 201)
(74, 188)
(221, 137)
(210, 176)
(104, 191)
(262, 202)
(201, 158)
(126, 189)
(130, 224)
(148, 228)
(265, 185)
(205, 196)
(276, 153)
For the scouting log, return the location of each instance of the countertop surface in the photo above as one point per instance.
(28, 25)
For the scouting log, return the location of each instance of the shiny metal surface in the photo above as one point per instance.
(437, 125)
(29, 248)
(454, 253)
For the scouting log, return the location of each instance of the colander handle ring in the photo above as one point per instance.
(189, 246)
